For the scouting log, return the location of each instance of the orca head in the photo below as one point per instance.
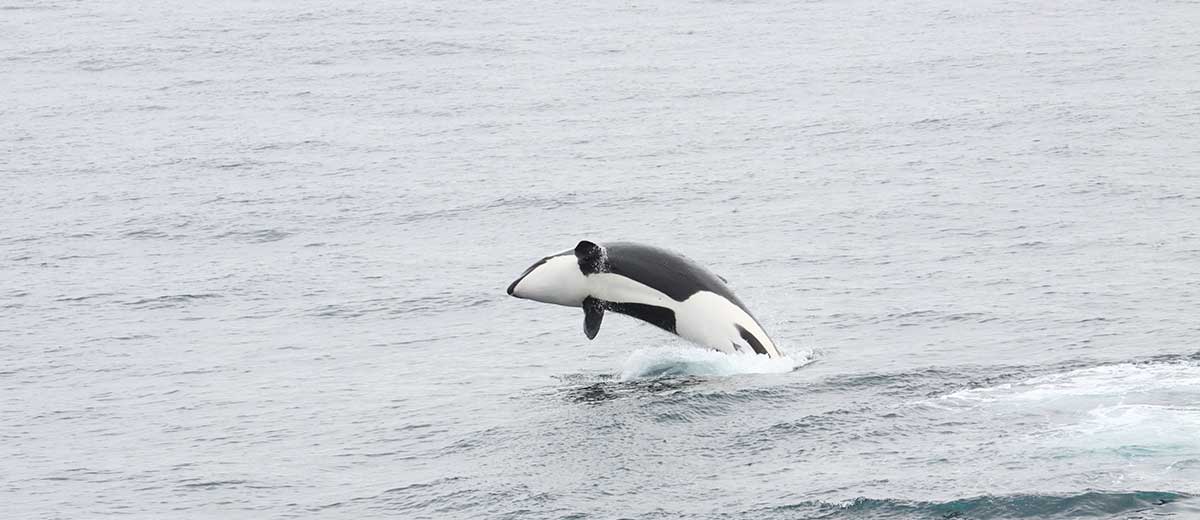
(555, 279)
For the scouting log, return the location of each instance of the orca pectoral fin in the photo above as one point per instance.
(593, 314)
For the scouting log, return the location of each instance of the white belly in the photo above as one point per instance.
(711, 320)
(705, 318)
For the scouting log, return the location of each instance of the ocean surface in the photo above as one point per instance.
(253, 258)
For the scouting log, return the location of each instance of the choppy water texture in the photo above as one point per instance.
(253, 258)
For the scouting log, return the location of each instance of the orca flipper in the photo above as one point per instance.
(593, 314)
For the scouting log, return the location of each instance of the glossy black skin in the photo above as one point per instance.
(667, 271)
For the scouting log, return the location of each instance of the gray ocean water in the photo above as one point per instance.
(253, 258)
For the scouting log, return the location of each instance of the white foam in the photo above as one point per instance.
(679, 360)
(1102, 383)
(1145, 425)
(1135, 410)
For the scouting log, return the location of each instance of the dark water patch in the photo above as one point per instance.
(127, 337)
(481, 439)
(927, 316)
(202, 371)
(1088, 504)
(833, 420)
(258, 236)
(213, 484)
(234, 164)
(461, 497)
(1193, 357)
(83, 297)
(424, 305)
(918, 382)
(503, 203)
(101, 65)
(170, 300)
(27, 238)
(144, 234)
(935, 381)
(399, 495)
(967, 316)
(676, 399)
(445, 48)
(306, 143)
(585, 377)
(726, 398)
(608, 390)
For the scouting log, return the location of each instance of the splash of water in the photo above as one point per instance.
(678, 360)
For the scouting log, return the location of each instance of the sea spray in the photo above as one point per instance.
(680, 360)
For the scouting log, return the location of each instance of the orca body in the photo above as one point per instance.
(651, 284)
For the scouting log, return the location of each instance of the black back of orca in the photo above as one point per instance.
(673, 275)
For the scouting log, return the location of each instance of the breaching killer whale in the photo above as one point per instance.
(648, 283)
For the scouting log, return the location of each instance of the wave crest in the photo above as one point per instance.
(1094, 504)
